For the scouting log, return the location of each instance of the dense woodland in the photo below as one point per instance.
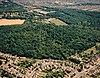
(46, 40)
(10, 7)
(40, 41)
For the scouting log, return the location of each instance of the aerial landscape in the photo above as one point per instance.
(49, 38)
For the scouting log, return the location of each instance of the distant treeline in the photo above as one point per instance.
(74, 16)
(11, 7)
(83, 4)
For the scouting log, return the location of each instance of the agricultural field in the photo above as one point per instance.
(11, 22)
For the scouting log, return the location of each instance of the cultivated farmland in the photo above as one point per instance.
(11, 22)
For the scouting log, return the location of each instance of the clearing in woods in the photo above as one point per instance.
(41, 11)
(11, 21)
(55, 21)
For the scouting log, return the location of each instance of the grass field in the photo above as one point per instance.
(41, 11)
(90, 50)
(55, 21)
